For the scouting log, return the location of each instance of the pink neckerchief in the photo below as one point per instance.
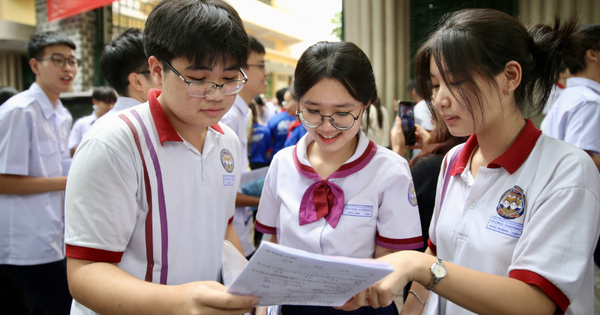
(327, 197)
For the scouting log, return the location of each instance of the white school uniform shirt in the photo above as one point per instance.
(33, 142)
(380, 206)
(423, 115)
(532, 215)
(160, 215)
(80, 127)
(575, 115)
(237, 119)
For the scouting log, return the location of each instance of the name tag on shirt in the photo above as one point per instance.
(358, 211)
(504, 226)
(228, 180)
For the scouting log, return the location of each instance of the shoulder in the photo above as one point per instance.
(21, 101)
(386, 158)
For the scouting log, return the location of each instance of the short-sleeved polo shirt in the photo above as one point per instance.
(532, 214)
(142, 197)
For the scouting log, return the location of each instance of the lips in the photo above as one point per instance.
(213, 111)
(66, 79)
(328, 139)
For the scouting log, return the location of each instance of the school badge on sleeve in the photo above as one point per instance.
(510, 207)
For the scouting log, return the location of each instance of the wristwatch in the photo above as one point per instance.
(438, 270)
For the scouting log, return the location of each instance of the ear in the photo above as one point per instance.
(592, 55)
(513, 74)
(134, 82)
(35, 65)
(156, 70)
(94, 101)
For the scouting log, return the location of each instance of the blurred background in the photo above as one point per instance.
(389, 31)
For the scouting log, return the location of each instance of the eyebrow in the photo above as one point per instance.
(343, 105)
(206, 68)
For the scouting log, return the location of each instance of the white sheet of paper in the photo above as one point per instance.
(253, 175)
(281, 275)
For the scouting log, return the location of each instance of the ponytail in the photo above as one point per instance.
(549, 46)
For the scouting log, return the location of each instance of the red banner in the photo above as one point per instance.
(60, 9)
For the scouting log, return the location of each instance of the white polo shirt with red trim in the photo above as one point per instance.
(380, 206)
(532, 214)
(141, 196)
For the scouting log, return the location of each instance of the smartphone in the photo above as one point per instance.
(406, 111)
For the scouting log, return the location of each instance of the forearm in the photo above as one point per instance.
(107, 289)
(478, 291)
(412, 305)
(382, 251)
(242, 200)
(231, 235)
(23, 185)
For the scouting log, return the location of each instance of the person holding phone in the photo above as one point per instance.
(336, 192)
(517, 213)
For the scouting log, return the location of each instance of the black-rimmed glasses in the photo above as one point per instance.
(59, 60)
(341, 120)
(206, 88)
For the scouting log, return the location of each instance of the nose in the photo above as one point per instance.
(441, 98)
(216, 96)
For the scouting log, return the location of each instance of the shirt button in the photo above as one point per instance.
(472, 205)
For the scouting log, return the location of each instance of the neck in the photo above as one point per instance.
(193, 134)
(589, 73)
(247, 97)
(138, 95)
(52, 95)
(496, 139)
(326, 163)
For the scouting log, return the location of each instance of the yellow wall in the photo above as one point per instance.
(20, 11)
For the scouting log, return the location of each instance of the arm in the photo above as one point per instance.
(273, 238)
(242, 200)
(231, 235)
(382, 251)
(22, 185)
(471, 289)
(107, 289)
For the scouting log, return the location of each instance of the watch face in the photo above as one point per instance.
(439, 271)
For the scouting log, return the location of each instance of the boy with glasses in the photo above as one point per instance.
(34, 131)
(145, 236)
(239, 119)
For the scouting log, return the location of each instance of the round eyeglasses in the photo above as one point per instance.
(205, 88)
(59, 60)
(313, 119)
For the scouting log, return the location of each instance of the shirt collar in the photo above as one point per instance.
(241, 105)
(510, 160)
(578, 81)
(42, 99)
(302, 146)
(166, 131)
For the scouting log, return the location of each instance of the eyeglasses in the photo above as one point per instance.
(59, 60)
(313, 119)
(262, 66)
(205, 88)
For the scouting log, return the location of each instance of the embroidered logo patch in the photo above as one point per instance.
(227, 160)
(512, 203)
(412, 194)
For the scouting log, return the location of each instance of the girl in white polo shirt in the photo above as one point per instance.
(336, 192)
(517, 213)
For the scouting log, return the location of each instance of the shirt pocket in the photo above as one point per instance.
(48, 147)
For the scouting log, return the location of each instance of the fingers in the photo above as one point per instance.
(213, 295)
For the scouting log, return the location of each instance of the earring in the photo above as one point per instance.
(508, 92)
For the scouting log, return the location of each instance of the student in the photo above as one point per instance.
(34, 130)
(103, 98)
(574, 116)
(533, 256)
(238, 119)
(124, 65)
(280, 123)
(145, 236)
(296, 129)
(336, 192)
(260, 142)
